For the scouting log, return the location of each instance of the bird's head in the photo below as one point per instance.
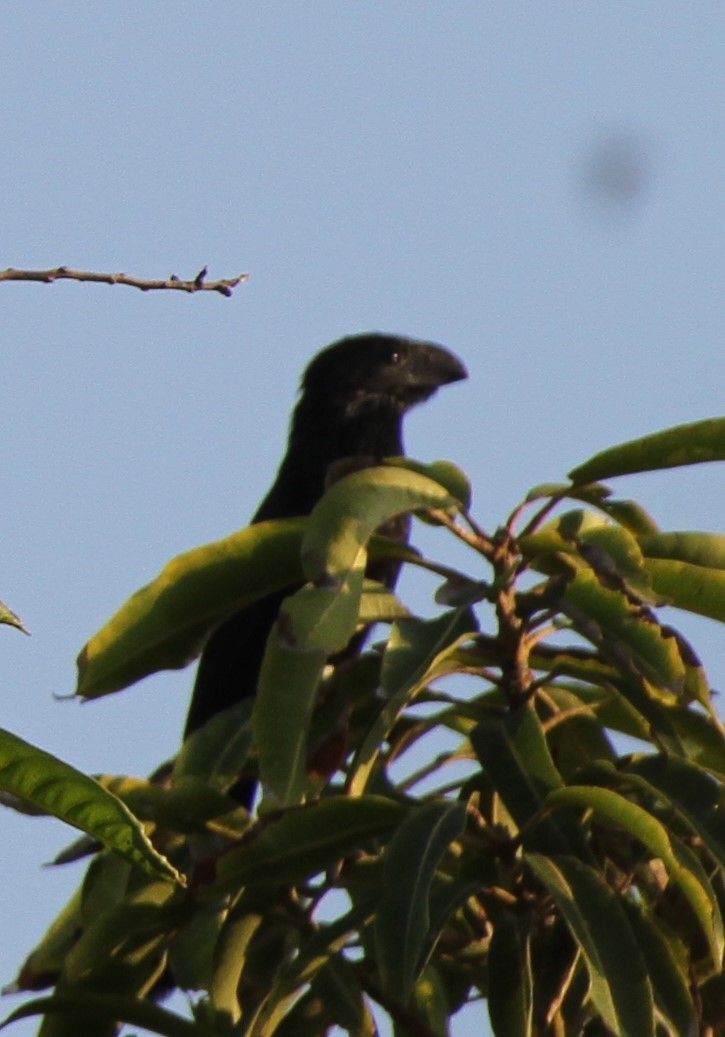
(375, 371)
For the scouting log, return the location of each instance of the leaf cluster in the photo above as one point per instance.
(518, 801)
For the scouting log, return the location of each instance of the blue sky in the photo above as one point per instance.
(538, 186)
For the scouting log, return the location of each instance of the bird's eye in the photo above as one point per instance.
(395, 357)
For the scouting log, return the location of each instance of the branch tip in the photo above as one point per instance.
(63, 273)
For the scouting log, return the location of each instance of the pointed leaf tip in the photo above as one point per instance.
(694, 443)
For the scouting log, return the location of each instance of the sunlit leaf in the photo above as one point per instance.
(690, 587)
(445, 473)
(229, 958)
(631, 515)
(164, 625)
(343, 521)
(79, 800)
(322, 618)
(8, 617)
(591, 494)
(629, 629)
(705, 549)
(688, 444)
(378, 604)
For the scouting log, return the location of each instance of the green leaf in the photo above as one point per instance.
(514, 754)
(335, 540)
(611, 551)
(417, 652)
(593, 541)
(416, 648)
(189, 805)
(82, 1006)
(702, 741)
(164, 625)
(317, 958)
(429, 1002)
(338, 987)
(630, 515)
(306, 840)
(119, 941)
(668, 978)
(410, 864)
(8, 617)
(229, 959)
(79, 800)
(625, 702)
(447, 896)
(191, 951)
(283, 709)
(612, 808)
(627, 629)
(322, 618)
(620, 989)
(217, 751)
(705, 549)
(574, 732)
(690, 587)
(319, 620)
(42, 966)
(546, 489)
(118, 948)
(510, 979)
(591, 494)
(445, 473)
(378, 604)
(694, 443)
(688, 790)
(689, 569)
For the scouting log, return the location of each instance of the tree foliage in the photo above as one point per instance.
(35, 782)
(517, 801)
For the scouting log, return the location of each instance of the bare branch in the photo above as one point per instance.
(63, 273)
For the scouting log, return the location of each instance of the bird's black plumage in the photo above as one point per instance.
(354, 395)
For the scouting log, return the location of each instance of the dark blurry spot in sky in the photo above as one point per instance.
(616, 172)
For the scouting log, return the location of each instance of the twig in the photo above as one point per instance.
(64, 273)
(479, 541)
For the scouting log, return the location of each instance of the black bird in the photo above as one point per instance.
(354, 395)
